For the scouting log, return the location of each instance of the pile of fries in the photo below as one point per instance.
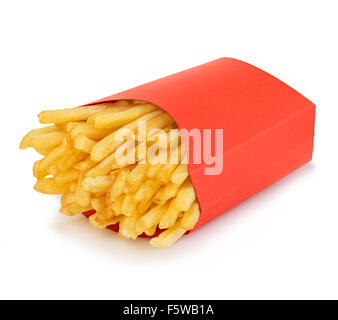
(83, 152)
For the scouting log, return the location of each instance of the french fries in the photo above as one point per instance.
(67, 176)
(167, 238)
(26, 141)
(49, 186)
(73, 114)
(118, 119)
(109, 143)
(83, 149)
(83, 143)
(47, 140)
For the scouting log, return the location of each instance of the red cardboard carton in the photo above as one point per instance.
(268, 127)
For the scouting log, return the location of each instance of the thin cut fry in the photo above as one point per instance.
(43, 151)
(166, 192)
(26, 141)
(182, 202)
(83, 143)
(67, 176)
(117, 205)
(179, 175)
(150, 231)
(67, 199)
(153, 171)
(127, 226)
(151, 218)
(146, 191)
(103, 167)
(84, 165)
(100, 221)
(115, 120)
(87, 130)
(49, 186)
(98, 203)
(82, 197)
(69, 158)
(43, 164)
(167, 169)
(129, 205)
(73, 114)
(47, 140)
(117, 187)
(167, 238)
(190, 217)
(159, 122)
(97, 184)
(112, 110)
(136, 177)
(73, 209)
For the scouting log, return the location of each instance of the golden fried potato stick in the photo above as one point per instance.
(127, 225)
(103, 218)
(103, 167)
(166, 192)
(136, 177)
(155, 134)
(49, 186)
(150, 231)
(117, 187)
(41, 167)
(171, 139)
(99, 203)
(129, 153)
(129, 205)
(100, 221)
(151, 218)
(73, 186)
(161, 121)
(182, 202)
(118, 119)
(67, 199)
(47, 140)
(68, 159)
(167, 238)
(108, 164)
(97, 184)
(87, 130)
(72, 114)
(179, 175)
(73, 209)
(26, 141)
(143, 207)
(153, 170)
(116, 206)
(67, 176)
(42, 150)
(52, 169)
(174, 158)
(83, 143)
(82, 197)
(146, 191)
(84, 165)
(36, 168)
(190, 217)
(108, 112)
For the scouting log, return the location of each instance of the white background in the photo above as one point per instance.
(282, 243)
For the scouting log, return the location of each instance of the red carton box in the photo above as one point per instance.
(268, 127)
